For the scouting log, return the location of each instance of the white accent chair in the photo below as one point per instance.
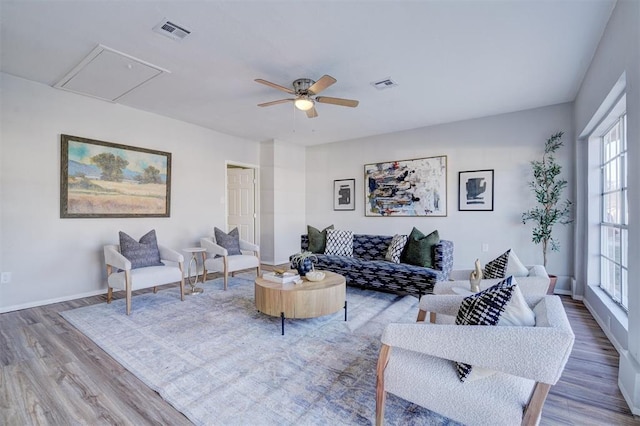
(120, 276)
(536, 282)
(250, 258)
(416, 364)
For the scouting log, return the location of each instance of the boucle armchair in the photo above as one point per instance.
(535, 282)
(416, 364)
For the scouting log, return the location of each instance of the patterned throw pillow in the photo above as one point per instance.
(339, 243)
(398, 242)
(497, 268)
(317, 239)
(230, 241)
(419, 248)
(484, 308)
(141, 253)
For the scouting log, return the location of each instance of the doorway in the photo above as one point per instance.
(241, 201)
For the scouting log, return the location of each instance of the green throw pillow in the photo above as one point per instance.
(317, 239)
(419, 248)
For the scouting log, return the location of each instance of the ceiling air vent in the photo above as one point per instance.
(384, 84)
(171, 30)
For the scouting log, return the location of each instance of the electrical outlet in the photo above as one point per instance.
(485, 247)
(5, 278)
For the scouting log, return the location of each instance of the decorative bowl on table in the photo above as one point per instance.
(315, 275)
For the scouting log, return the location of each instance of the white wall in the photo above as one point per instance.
(56, 259)
(505, 143)
(282, 199)
(618, 53)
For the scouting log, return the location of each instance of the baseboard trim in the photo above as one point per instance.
(36, 303)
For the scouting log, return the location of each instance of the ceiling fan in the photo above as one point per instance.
(305, 91)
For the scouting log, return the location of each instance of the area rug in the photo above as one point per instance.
(218, 360)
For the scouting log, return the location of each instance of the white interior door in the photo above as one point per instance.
(241, 202)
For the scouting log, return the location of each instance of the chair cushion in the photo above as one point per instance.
(235, 263)
(150, 276)
(230, 241)
(419, 248)
(141, 253)
(497, 268)
(396, 248)
(339, 243)
(317, 239)
(486, 308)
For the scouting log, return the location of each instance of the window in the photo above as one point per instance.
(614, 213)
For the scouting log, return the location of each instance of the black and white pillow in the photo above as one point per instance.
(141, 253)
(339, 243)
(497, 268)
(230, 241)
(398, 242)
(484, 308)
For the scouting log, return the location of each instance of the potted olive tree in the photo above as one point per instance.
(547, 186)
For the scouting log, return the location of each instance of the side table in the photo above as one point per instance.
(193, 282)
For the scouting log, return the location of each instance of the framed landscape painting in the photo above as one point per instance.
(475, 190)
(406, 188)
(105, 180)
(344, 194)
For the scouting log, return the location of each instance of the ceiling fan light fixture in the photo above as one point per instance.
(303, 104)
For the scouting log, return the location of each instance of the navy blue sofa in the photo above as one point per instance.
(368, 268)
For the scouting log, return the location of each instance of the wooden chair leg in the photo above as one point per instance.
(155, 289)
(381, 394)
(127, 275)
(533, 410)
(432, 317)
(109, 289)
(421, 315)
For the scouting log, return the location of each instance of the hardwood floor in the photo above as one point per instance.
(54, 375)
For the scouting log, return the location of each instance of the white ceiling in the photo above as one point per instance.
(453, 60)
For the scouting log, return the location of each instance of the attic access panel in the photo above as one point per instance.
(108, 74)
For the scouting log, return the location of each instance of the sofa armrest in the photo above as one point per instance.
(538, 271)
(443, 257)
(441, 304)
(212, 248)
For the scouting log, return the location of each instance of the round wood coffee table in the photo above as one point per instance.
(306, 300)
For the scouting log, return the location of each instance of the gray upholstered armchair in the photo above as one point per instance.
(416, 364)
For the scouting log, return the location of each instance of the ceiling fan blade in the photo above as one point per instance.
(275, 86)
(337, 101)
(281, 101)
(312, 113)
(324, 82)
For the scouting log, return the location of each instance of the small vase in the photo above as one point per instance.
(304, 266)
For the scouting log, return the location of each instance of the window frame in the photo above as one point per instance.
(612, 265)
